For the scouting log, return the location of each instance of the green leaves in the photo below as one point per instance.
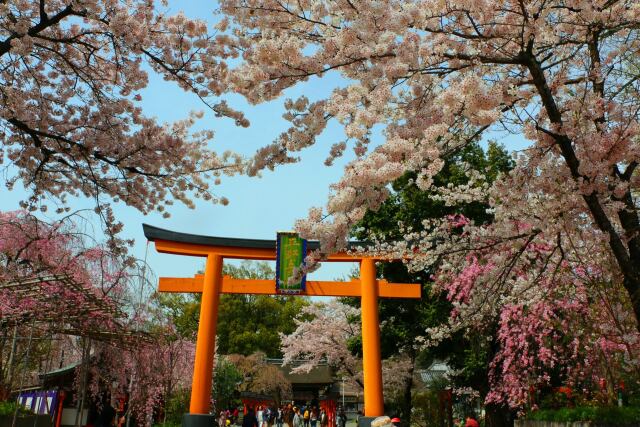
(183, 311)
(246, 323)
(251, 323)
(608, 415)
(8, 408)
(227, 377)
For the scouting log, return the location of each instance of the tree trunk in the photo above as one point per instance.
(497, 416)
(627, 256)
(8, 378)
(632, 286)
(406, 405)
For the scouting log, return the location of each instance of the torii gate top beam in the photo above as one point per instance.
(177, 243)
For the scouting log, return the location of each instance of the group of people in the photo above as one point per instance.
(228, 417)
(305, 416)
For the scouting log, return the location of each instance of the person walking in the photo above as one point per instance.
(313, 418)
(280, 417)
(273, 413)
(298, 419)
(324, 418)
(265, 416)
(306, 415)
(288, 415)
(107, 416)
(259, 415)
(250, 419)
(342, 419)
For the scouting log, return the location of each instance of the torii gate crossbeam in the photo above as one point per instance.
(212, 284)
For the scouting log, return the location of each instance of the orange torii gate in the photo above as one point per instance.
(213, 283)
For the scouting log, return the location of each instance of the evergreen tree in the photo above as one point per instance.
(246, 323)
(403, 321)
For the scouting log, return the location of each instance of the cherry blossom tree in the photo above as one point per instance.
(149, 374)
(55, 282)
(260, 376)
(561, 313)
(403, 322)
(435, 75)
(51, 271)
(328, 332)
(322, 334)
(71, 123)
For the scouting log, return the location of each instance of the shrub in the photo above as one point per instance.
(177, 405)
(9, 407)
(608, 415)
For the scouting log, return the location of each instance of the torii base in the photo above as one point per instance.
(365, 421)
(199, 420)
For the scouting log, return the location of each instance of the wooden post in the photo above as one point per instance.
(371, 356)
(61, 396)
(206, 343)
(9, 376)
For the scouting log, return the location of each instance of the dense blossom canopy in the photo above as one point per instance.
(50, 273)
(437, 74)
(57, 284)
(326, 333)
(434, 75)
(71, 73)
(554, 303)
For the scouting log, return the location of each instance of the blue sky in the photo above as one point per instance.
(258, 206)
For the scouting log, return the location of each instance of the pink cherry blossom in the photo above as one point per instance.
(322, 335)
(71, 121)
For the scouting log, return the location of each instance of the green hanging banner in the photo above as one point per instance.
(291, 252)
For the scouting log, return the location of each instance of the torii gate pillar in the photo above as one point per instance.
(371, 356)
(212, 284)
(206, 341)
